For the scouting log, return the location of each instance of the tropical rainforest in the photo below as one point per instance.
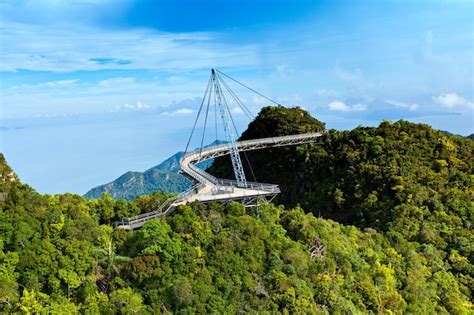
(375, 220)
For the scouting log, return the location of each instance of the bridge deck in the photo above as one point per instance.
(210, 188)
(216, 193)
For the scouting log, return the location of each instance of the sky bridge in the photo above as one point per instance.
(208, 188)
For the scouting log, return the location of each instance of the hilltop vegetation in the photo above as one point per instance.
(284, 165)
(385, 226)
(406, 180)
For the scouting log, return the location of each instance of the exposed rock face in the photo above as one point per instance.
(8, 178)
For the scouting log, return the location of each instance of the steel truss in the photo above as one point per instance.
(261, 192)
(208, 188)
(229, 131)
(249, 145)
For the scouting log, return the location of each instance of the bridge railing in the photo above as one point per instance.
(163, 207)
(202, 177)
(229, 182)
(200, 155)
(202, 173)
(249, 185)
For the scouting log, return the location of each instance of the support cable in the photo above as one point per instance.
(228, 110)
(236, 131)
(244, 108)
(250, 166)
(234, 96)
(205, 122)
(229, 131)
(215, 118)
(256, 92)
(197, 118)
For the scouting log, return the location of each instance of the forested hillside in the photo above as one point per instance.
(406, 180)
(384, 226)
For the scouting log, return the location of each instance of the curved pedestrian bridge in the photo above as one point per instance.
(209, 188)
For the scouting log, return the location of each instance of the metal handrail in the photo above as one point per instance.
(175, 199)
(188, 160)
(224, 147)
(188, 165)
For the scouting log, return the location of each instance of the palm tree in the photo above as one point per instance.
(108, 262)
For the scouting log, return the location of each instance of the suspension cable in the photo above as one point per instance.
(215, 118)
(243, 107)
(208, 95)
(205, 121)
(236, 131)
(250, 166)
(228, 110)
(256, 92)
(234, 96)
(197, 117)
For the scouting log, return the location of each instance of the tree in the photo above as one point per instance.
(8, 280)
(125, 301)
(31, 302)
(155, 237)
(108, 260)
(105, 207)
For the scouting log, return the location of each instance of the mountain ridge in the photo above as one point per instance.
(163, 177)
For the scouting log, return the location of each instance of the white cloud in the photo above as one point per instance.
(65, 48)
(338, 106)
(55, 115)
(132, 107)
(51, 84)
(237, 111)
(90, 97)
(343, 107)
(410, 107)
(349, 75)
(61, 83)
(113, 82)
(326, 93)
(181, 111)
(452, 100)
(283, 71)
(175, 79)
(359, 107)
(258, 100)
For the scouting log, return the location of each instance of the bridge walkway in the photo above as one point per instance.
(209, 188)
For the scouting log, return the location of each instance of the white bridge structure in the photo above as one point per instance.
(208, 188)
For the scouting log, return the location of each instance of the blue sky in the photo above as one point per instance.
(103, 69)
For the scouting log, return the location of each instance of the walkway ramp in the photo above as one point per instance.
(209, 188)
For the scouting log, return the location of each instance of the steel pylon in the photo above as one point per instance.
(229, 132)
